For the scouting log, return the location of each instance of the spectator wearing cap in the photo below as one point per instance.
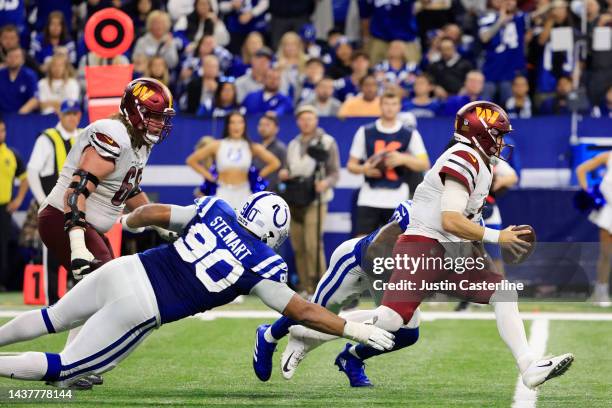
(9, 39)
(383, 22)
(158, 39)
(270, 97)
(323, 98)
(54, 35)
(366, 103)
(268, 128)
(450, 70)
(59, 84)
(254, 78)
(349, 85)
(242, 18)
(341, 65)
(46, 161)
(300, 174)
(287, 15)
(19, 85)
(312, 47)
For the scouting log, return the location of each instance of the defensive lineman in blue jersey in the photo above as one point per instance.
(218, 256)
(347, 277)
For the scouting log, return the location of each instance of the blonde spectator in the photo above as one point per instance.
(58, 85)
(158, 69)
(158, 39)
(252, 44)
(366, 103)
(140, 62)
(291, 58)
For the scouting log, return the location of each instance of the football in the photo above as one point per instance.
(378, 161)
(511, 258)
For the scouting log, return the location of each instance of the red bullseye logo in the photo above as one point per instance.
(109, 32)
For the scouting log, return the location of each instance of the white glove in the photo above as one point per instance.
(369, 335)
(165, 234)
(127, 228)
(82, 261)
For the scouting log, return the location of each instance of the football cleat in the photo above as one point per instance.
(600, 298)
(262, 354)
(543, 370)
(95, 379)
(292, 356)
(82, 384)
(353, 367)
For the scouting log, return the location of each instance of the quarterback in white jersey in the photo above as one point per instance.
(218, 256)
(445, 236)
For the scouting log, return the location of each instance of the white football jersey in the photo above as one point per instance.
(111, 140)
(466, 165)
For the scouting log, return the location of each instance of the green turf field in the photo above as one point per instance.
(458, 363)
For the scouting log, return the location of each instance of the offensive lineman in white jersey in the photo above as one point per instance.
(220, 255)
(445, 223)
(101, 176)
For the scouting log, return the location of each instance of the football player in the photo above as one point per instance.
(348, 276)
(101, 176)
(445, 221)
(219, 256)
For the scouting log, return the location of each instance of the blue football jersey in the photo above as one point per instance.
(504, 53)
(214, 261)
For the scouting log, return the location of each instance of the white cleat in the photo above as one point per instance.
(543, 370)
(292, 356)
(601, 299)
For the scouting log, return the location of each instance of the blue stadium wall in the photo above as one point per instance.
(544, 199)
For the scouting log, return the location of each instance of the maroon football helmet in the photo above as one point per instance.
(147, 105)
(483, 124)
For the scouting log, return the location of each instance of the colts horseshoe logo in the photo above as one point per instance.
(277, 209)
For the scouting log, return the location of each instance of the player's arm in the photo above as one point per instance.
(272, 162)
(281, 298)
(166, 216)
(486, 34)
(92, 168)
(136, 199)
(588, 166)
(382, 245)
(454, 201)
(195, 159)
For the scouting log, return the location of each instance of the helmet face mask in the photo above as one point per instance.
(147, 105)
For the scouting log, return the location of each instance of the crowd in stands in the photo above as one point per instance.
(254, 56)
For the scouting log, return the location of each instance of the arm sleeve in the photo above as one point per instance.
(260, 8)
(42, 150)
(275, 295)
(20, 171)
(454, 197)
(180, 216)
(358, 150)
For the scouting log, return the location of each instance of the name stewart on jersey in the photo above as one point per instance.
(225, 232)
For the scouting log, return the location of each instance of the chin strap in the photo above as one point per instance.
(76, 217)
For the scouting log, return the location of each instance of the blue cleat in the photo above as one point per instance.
(353, 367)
(262, 354)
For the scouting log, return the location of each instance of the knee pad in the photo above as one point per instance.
(388, 319)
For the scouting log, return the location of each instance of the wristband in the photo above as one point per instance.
(77, 239)
(491, 236)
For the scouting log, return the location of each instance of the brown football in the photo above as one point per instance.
(507, 255)
(378, 161)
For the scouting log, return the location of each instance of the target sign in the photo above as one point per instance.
(109, 32)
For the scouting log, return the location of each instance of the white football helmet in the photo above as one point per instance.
(267, 216)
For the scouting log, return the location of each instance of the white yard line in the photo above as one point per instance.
(538, 337)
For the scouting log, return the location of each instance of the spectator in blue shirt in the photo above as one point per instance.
(44, 8)
(383, 21)
(224, 101)
(422, 105)
(19, 85)
(13, 13)
(269, 98)
(349, 85)
(472, 91)
(519, 104)
(396, 71)
(54, 35)
(9, 39)
(242, 18)
(503, 36)
(558, 104)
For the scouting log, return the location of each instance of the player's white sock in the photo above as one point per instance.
(72, 334)
(26, 366)
(512, 331)
(268, 336)
(601, 289)
(359, 315)
(26, 326)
